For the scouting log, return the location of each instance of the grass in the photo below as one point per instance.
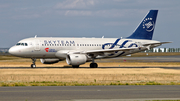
(86, 76)
(162, 100)
(55, 83)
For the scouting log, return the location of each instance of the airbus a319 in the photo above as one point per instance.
(78, 51)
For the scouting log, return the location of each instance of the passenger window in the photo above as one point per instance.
(22, 44)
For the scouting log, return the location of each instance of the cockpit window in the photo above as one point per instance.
(26, 44)
(18, 44)
(21, 44)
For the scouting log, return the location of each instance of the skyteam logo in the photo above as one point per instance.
(148, 24)
(123, 45)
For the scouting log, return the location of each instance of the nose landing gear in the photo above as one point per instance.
(33, 61)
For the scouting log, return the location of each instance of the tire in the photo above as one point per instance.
(33, 66)
(75, 66)
(93, 65)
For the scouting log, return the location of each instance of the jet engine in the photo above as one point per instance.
(49, 61)
(76, 59)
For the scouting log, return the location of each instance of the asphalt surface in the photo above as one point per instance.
(176, 68)
(90, 93)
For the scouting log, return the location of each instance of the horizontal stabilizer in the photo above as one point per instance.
(160, 43)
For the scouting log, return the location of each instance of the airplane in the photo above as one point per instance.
(78, 51)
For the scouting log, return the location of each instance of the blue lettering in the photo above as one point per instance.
(45, 42)
(72, 42)
(54, 42)
(67, 42)
(52, 50)
(62, 42)
(49, 42)
(58, 41)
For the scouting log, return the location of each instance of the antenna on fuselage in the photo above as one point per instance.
(35, 36)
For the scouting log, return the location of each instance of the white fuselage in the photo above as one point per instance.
(47, 47)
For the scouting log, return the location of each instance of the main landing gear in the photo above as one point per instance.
(75, 66)
(93, 64)
(33, 61)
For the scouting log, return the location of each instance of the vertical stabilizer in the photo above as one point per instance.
(146, 27)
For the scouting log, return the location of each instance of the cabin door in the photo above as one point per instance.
(37, 45)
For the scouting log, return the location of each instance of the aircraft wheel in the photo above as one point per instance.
(75, 66)
(33, 66)
(93, 65)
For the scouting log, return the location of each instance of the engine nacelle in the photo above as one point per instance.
(76, 59)
(49, 61)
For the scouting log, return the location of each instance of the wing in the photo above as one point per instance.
(109, 50)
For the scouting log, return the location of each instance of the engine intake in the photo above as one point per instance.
(76, 59)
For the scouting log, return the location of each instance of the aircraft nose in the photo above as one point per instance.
(13, 51)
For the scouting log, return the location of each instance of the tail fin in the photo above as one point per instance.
(146, 27)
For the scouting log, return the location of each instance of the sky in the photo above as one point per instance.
(21, 19)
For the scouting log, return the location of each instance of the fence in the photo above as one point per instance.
(163, 50)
